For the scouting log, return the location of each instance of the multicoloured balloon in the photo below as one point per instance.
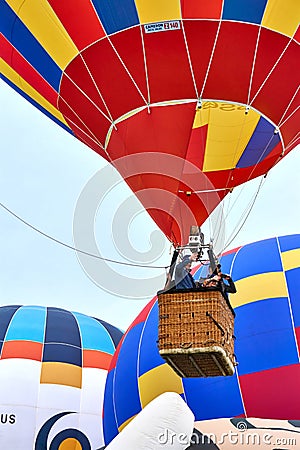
(154, 428)
(53, 367)
(267, 329)
(197, 96)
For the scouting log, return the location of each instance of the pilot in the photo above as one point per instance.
(183, 277)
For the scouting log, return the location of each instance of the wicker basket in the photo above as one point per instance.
(195, 333)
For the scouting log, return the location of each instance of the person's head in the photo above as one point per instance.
(214, 271)
(187, 262)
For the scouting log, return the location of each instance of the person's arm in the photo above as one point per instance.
(230, 287)
(183, 263)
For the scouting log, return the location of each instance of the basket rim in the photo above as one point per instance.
(183, 351)
(229, 365)
(174, 291)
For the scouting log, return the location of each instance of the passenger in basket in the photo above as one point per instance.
(183, 278)
(212, 282)
(220, 280)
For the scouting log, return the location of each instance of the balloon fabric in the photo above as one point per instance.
(186, 99)
(53, 367)
(267, 328)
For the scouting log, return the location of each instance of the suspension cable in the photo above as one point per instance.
(74, 248)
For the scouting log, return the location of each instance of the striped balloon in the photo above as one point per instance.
(204, 87)
(53, 367)
(267, 328)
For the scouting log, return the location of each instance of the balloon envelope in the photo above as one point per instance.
(53, 367)
(267, 329)
(166, 423)
(207, 90)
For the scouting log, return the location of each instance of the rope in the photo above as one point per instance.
(288, 117)
(127, 71)
(255, 197)
(97, 88)
(88, 98)
(84, 124)
(247, 215)
(271, 71)
(212, 55)
(98, 143)
(190, 60)
(293, 141)
(146, 67)
(253, 64)
(74, 248)
(249, 104)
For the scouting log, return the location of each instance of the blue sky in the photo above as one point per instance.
(43, 171)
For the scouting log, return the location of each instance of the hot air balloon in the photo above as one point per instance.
(53, 366)
(266, 381)
(186, 99)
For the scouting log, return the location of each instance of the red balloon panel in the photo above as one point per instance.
(200, 38)
(129, 46)
(79, 109)
(230, 71)
(206, 10)
(163, 129)
(272, 393)
(281, 85)
(269, 48)
(168, 66)
(78, 81)
(80, 20)
(118, 90)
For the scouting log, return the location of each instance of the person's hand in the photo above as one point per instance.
(226, 276)
(216, 277)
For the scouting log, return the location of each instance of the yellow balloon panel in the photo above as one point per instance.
(158, 10)
(18, 81)
(282, 16)
(267, 285)
(229, 131)
(290, 259)
(43, 23)
(61, 373)
(157, 381)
